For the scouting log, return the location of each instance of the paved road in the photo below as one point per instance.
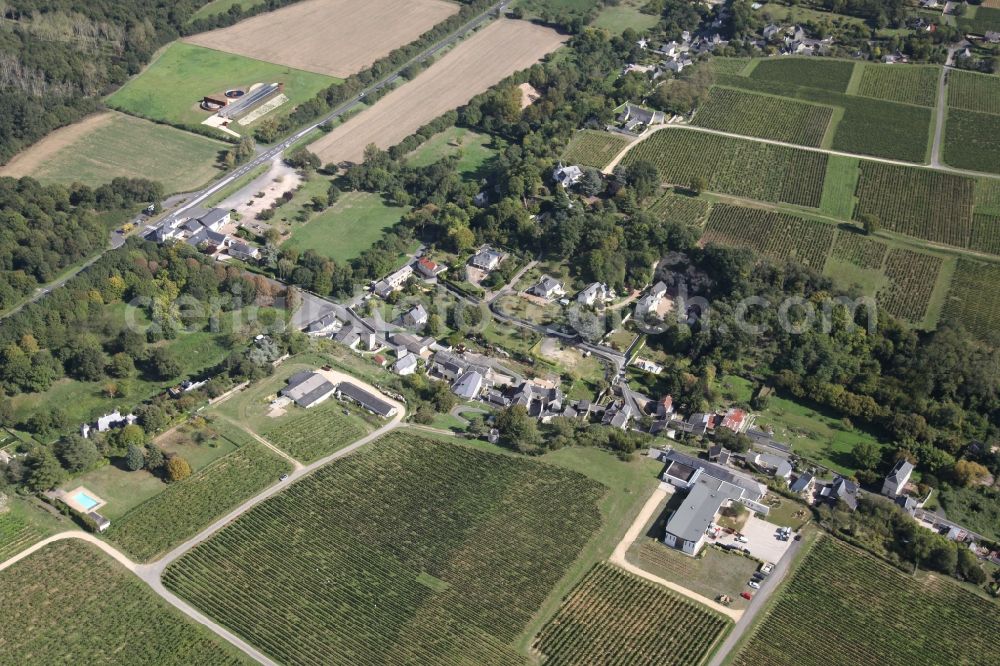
(194, 199)
(885, 160)
(767, 588)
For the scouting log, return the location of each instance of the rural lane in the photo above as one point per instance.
(151, 573)
(767, 588)
(828, 151)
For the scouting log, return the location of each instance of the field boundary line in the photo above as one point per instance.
(295, 463)
(618, 559)
(828, 151)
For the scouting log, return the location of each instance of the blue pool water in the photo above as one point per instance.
(85, 500)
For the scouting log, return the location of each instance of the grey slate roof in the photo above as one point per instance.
(214, 216)
(365, 399)
(698, 510)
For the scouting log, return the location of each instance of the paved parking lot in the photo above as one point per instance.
(763, 540)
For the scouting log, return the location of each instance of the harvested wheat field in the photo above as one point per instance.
(477, 63)
(332, 37)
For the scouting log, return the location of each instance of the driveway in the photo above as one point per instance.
(764, 543)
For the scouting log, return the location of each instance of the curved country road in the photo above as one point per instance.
(151, 573)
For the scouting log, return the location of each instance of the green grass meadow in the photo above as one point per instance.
(347, 228)
(616, 19)
(473, 148)
(170, 89)
(128, 146)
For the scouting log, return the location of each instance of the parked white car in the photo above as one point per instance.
(754, 584)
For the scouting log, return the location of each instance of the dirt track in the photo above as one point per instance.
(332, 37)
(498, 50)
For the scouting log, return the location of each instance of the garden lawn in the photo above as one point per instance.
(346, 229)
(85, 401)
(813, 434)
(839, 185)
(473, 148)
(618, 18)
(171, 87)
(71, 603)
(977, 508)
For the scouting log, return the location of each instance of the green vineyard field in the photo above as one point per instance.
(986, 233)
(735, 166)
(408, 551)
(613, 617)
(974, 300)
(922, 203)
(862, 251)
(594, 149)
(911, 85)
(185, 507)
(868, 127)
(764, 116)
(972, 141)
(973, 92)
(69, 603)
(308, 435)
(912, 276)
(823, 73)
(680, 208)
(842, 606)
(774, 235)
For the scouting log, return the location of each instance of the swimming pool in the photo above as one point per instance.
(85, 500)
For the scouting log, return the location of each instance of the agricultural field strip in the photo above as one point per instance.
(784, 144)
(457, 539)
(848, 594)
(70, 602)
(473, 66)
(151, 573)
(333, 37)
(612, 616)
(765, 116)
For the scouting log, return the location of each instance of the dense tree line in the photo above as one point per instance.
(59, 57)
(46, 228)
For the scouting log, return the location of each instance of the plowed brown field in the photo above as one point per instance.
(332, 37)
(477, 63)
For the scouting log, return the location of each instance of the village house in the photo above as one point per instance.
(618, 415)
(243, 251)
(650, 302)
(410, 343)
(405, 365)
(539, 401)
(468, 386)
(486, 259)
(567, 176)
(841, 489)
(594, 293)
(547, 288)
(735, 419)
(897, 479)
(324, 326)
(393, 282)
(633, 117)
(803, 484)
(416, 317)
(368, 401)
(428, 268)
(772, 464)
